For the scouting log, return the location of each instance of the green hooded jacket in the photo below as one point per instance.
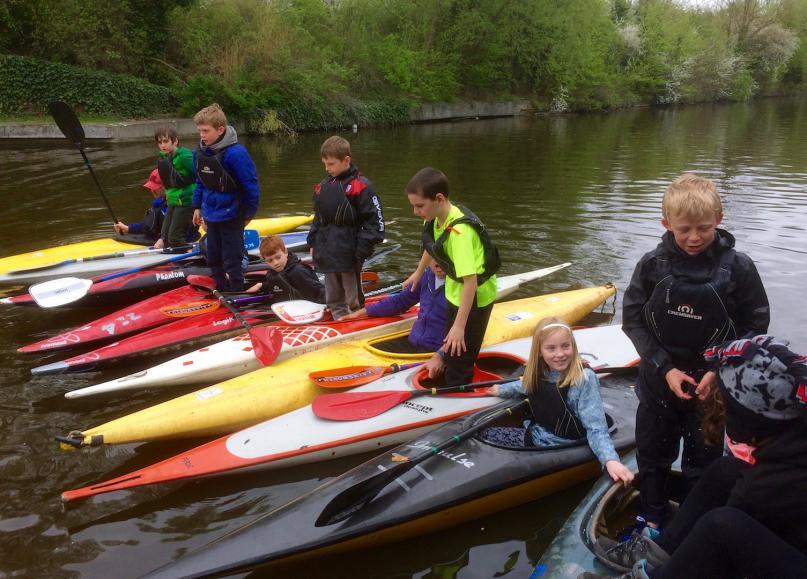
(183, 164)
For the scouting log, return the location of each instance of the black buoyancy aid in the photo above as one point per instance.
(278, 284)
(435, 247)
(212, 174)
(550, 410)
(338, 198)
(169, 175)
(688, 314)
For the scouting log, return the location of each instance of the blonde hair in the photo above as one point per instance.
(212, 115)
(691, 197)
(537, 367)
(335, 147)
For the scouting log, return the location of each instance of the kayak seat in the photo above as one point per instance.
(577, 442)
(489, 366)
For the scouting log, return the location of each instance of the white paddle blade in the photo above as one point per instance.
(58, 292)
(298, 311)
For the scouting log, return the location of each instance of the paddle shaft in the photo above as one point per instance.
(346, 503)
(71, 128)
(171, 259)
(226, 303)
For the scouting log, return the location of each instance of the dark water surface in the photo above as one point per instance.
(585, 189)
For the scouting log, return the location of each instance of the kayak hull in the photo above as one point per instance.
(274, 390)
(300, 437)
(136, 286)
(97, 247)
(234, 357)
(466, 481)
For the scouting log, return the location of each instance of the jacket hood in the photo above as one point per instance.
(230, 137)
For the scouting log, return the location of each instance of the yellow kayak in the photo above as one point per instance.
(274, 390)
(96, 247)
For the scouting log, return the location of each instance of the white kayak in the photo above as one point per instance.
(301, 437)
(233, 357)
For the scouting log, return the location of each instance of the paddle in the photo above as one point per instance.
(352, 376)
(266, 340)
(65, 290)
(68, 123)
(298, 312)
(350, 500)
(361, 405)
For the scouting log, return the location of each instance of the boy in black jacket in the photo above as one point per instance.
(288, 278)
(348, 223)
(691, 292)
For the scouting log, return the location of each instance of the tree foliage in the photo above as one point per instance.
(315, 63)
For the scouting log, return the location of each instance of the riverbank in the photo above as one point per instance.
(144, 129)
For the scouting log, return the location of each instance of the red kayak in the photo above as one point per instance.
(188, 333)
(138, 317)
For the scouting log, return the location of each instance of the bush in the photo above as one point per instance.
(27, 85)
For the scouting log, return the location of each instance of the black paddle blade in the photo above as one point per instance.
(68, 122)
(350, 500)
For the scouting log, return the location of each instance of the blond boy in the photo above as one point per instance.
(692, 291)
(226, 195)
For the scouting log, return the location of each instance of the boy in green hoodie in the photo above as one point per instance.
(175, 166)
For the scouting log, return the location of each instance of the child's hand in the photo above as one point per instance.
(492, 390)
(412, 281)
(619, 472)
(159, 244)
(435, 365)
(357, 314)
(706, 385)
(454, 343)
(121, 228)
(677, 382)
(197, 217)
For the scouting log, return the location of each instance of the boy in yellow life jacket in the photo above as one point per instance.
(460, 244)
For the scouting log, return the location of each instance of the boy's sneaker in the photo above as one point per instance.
(638, 571)
(624, 556)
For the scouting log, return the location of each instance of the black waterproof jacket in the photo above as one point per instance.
(348, 222)
(746, 300)
(297, 281)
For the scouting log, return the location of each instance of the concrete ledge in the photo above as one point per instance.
(117, 131)
(126, 130)
(464, 110)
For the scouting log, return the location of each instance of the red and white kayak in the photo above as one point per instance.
(230, 358)
(301, 437)
(135, 318)
(180, 332)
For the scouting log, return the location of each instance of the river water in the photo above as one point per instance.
(585, 189)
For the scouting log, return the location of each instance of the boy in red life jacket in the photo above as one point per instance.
(348, 223)
(691, 292)
(460, 244)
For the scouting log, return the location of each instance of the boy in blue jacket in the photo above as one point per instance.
(226, 196)
(429, 330)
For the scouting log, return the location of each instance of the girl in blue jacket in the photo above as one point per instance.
(564, 399)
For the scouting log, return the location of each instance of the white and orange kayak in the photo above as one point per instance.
(301, 437)
(274, 390)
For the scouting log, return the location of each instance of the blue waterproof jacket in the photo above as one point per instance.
(429, 329)
(218, 206)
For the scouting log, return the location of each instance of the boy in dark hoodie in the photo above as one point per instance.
(691, 292)
(288, 278)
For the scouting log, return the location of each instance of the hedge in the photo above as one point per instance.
(27, 85)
